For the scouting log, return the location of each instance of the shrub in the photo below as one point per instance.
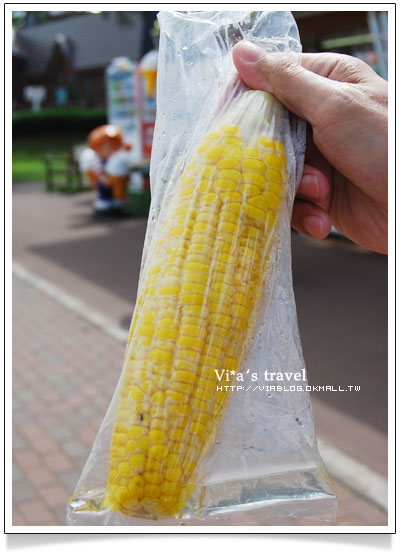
(58, 120)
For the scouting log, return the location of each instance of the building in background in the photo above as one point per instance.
(69, 52)
(360, 34)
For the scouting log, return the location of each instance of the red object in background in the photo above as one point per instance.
(146, 75)
(147, 138)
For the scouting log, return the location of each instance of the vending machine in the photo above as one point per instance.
(122, 102)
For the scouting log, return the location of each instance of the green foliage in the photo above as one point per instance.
(57, 120)
(28, 153)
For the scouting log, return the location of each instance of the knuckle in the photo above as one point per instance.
(288, 68)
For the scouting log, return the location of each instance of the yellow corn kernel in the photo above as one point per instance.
(253, 178)
(136, 431)
(169, 290)
(254, 212)
(184, 388)
(136, 461)
(212, 135)
(120, 439)
(240, 311)
(195, 277)
(190, 298)
(121, 494)
(193, 330)
(233, 207)
(173, 474)
(190, 466)
(146, 330)
(214, 152)
(236, 141)
(155, 478)
(177, 434)
(228, 162)
(157, 436)
(194, 287)
(148, 317)
(274, 187)
(185, 376)
(137, 394)
(190, 342)
(167, 333)
(274, 175)
(186, 192)
(154, 270)
(230, 196)
(124, 469)
(199, 429)
(186, 180)
(131, 446)
(250, 189)
(175, 396)
(231, 363)
(153, 465)
(232, 151)
(253, 165)
(272, 199)
(143, 443)
(205, 186)
(158, 452)
(225, 185)
(230, 174)
(152, 491)
(201, 405)
(231, 130)
(199, 267)
(258, 201)
(252, 153)
(273, 160)
(265, 142)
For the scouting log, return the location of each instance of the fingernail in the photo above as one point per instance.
(310, 186)
(314, 226)
(250, 52)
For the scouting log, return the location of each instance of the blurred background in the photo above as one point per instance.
(77, 259)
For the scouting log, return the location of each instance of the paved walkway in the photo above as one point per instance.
(59, 402)
(64, 372)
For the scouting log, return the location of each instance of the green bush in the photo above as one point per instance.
(30, 148)
(58, 120)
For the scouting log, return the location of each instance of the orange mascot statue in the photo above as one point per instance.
(106, 164)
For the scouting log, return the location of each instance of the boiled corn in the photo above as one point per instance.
(196, 308)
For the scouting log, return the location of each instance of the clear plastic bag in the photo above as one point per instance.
(182, 444)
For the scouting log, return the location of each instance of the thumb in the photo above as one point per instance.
(300, 90)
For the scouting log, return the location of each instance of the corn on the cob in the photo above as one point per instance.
(196, 307)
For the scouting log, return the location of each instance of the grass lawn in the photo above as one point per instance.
(28, 152)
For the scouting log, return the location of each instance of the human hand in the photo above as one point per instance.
(345, 175)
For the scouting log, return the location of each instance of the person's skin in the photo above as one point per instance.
(345, 177)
